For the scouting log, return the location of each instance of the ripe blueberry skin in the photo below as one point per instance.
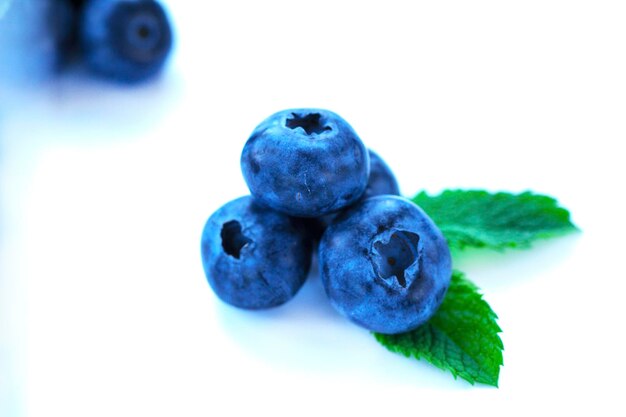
(125, 40)
(254, 258)
(305, 163)
(381, 181)
(385, 265)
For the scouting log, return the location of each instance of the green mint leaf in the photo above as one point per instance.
(474, 218)
(461, 337)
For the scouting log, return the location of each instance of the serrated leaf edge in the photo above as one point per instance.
(459, 244)
(381, 338)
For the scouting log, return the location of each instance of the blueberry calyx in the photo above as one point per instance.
(141, 31)
(396, 254)
(233, 239)
(124, 40)
(310, 123)
(144, 33)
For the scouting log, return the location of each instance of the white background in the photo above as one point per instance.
(105, 310)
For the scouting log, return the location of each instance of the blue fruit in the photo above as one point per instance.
(381, 180)
(305, 162)
(63, 20)
(253, 257)
(125, 40)
(385, 265)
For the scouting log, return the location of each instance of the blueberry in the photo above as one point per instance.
(305, 162)
(125, 40)
(253, 257)
(63, 20)
(385, 265)
(381, 181)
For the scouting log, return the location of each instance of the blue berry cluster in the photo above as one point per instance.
(121, 40)
(383, 262)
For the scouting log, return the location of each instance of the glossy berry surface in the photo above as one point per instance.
(385, 265)
(305, 162)
(254, 258)
(125, 40)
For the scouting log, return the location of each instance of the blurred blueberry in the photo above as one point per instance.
(27, 44)
(305, 162)
(125, 40)
(254, 257)
(63, 20)
(385, 265)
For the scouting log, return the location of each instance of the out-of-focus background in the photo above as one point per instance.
(104, 190)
